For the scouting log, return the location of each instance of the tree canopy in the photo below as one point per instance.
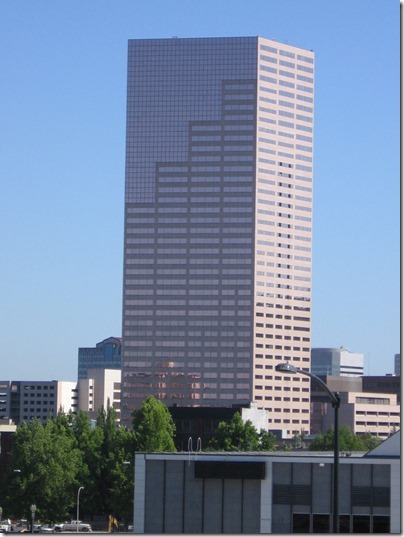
(153, 427)
(46, 463)
(51, 461)
(237, 435)
(348, 441)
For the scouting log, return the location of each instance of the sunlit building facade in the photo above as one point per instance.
(218, 225)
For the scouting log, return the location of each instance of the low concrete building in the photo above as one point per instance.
(266, 492)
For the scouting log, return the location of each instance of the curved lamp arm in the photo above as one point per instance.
(289, 368)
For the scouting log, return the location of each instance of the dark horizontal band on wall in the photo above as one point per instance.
(230, 470)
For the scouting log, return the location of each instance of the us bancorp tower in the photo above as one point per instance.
(218, 225)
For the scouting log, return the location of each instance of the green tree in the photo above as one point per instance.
(107, 452)
(115, 485)
(267, 440)
(153, 426)
(369, 441)
(47, 462)
(236, 435)
(323, 442)
(348, 441)
(299, 439)
(89, 440)
(121, 475)
(70, 451)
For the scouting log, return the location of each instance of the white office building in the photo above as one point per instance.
(101, 388)
(337, 361)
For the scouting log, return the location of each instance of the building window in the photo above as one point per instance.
(321, 523)
(381, 524)
(344, 524)
(301, 523)
(360, 524)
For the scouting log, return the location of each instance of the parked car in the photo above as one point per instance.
(46, 529)
(5, 526)
(20, 526)
(73, 526)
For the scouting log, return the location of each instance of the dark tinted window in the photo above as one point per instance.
(301, 523)
(381, 524)
(321, 523)
(360, 524)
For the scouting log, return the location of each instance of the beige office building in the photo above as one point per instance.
(218, 225)
(375, 413)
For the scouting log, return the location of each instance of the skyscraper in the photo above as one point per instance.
(337, 361)
(105, 355)
(218, 220)
(397, 364)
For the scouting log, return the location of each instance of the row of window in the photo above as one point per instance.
(370, 413)
(287, 54)
(38, 396)
(278, 420)
(260, 356)
(215, 208)
(142, 395)
(279, 348)
(209, 220)
(373, 400)
(215, 180)
(368, 423)
(322, 523)
(34, 387)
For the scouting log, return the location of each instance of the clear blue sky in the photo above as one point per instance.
(62, 151)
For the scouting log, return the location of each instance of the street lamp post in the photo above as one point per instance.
(33, 510)
(78, 509)
(335, 402)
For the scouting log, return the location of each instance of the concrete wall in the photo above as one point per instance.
(225, 493)
(176, 502)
